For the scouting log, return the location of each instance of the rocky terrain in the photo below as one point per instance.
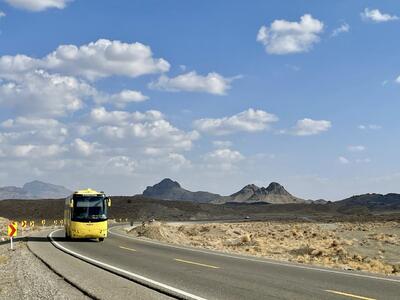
(363, 246)
(34, 190)
(168, 189)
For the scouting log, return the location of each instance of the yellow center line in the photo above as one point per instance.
(349, 295)
(196, 263)
(130, 249)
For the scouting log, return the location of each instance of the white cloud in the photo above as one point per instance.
(44, 94)
(250, 120)
(178, 161)
(38, 5)
(308, 126)
(222, 144)
(376, 16)
(105, 58)
(2, 14)
(34, 151)
(100, 115)
(121, 164)
(356, 148)
(284, 37)
(223, 159)
(397, 80)
(83, 148)
(369, 126)
(343, 160)
(121, 99)
(143, 130)
(212, 83)
(342, 28)
(363, 160)
(33, 130)
(12, 67)
(95, 60)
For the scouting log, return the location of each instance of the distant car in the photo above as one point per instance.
(247, 217)
(152, 220)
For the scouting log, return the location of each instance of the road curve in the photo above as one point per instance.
(190, 273)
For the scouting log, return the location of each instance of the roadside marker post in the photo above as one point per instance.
(32, 224)
(43, 222)
(23, 224)
(12, 231)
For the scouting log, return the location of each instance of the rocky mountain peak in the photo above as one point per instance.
(168, 189)
(34, 190)
(167, 183)
(276, 188)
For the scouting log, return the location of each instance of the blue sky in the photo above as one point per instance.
(117, 95)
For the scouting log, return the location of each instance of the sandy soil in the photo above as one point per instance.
(367, 246)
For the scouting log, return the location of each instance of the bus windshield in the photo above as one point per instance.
(89, 208)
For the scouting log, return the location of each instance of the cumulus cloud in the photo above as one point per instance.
(95, 60)
(121, 99)
(284, 37)
(2, 14)
(100, 115)
(38, 5)
(83, 147)
(121, 164)
(44, 94)
(223, 159)
(12, 67)
(308, 126)
(363, 160)
(369, 127)
(356, 148)
(376, 16)
(222, 144)
(148, 130)
(397, 80)
(33, 130)
(341, 29)
(343, 160)
(35, 151)
(250, 120)
(212, 83)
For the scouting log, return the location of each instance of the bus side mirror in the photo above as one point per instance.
(71, 203)
(109, 202)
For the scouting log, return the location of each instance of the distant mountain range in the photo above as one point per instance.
(34, 190)
(275, 193)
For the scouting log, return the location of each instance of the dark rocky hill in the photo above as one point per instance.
(275, 193)
(168, 189)
(34, 190)
(369, 202)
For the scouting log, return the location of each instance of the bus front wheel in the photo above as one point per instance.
(101, 239)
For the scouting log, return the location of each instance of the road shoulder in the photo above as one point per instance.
(97, 283)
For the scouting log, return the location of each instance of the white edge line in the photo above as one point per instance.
(137, 276)
(254, 260)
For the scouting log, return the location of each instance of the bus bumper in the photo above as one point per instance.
(93, 230)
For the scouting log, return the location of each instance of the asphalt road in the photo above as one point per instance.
(201, 274)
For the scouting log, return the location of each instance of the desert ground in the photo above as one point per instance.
(363, 246)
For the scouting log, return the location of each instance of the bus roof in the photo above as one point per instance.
(87, 192)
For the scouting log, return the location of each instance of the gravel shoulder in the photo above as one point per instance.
(23, 276)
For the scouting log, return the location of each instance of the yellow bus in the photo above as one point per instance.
(85, 215)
